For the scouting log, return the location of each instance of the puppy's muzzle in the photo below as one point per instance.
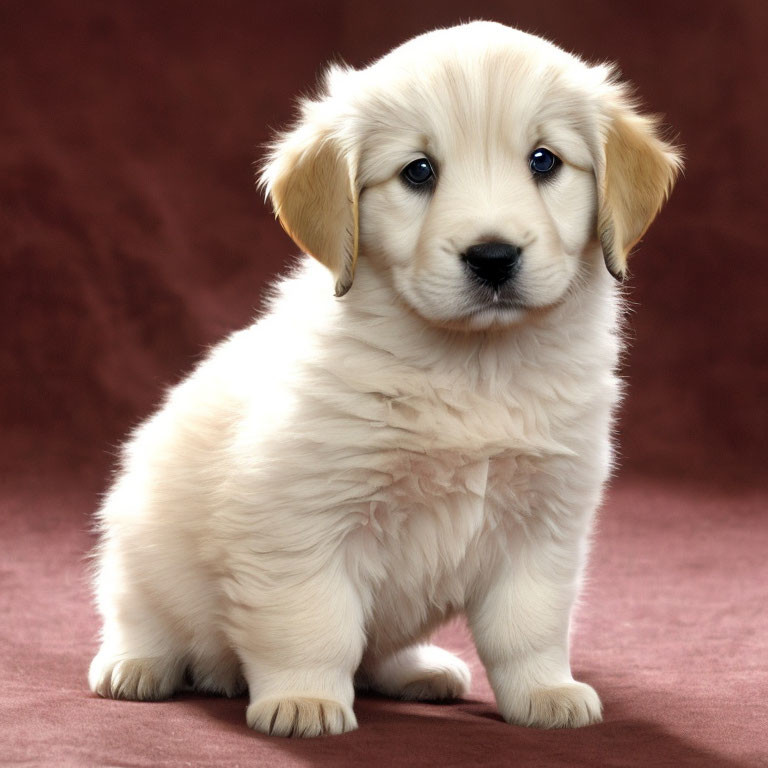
(493, 264)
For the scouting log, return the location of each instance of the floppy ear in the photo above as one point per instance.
(638, 172)
(311, 179)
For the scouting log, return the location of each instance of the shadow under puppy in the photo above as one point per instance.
(336, 480)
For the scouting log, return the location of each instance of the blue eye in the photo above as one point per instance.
(543, 162)
(418, 173)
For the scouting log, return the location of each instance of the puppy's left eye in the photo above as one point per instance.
(419, 173)
(543, 162)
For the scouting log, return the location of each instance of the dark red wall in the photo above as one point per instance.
(131, 236)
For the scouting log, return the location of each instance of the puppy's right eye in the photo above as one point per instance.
(419, 173)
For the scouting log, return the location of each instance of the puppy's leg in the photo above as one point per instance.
(418, 673)
(300, 647)
(144, 639)
(520, 619)
(140, 657)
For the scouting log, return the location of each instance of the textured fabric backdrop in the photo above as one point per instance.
(131, 238)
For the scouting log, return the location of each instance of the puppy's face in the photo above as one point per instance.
(478, 191)
(474, 167)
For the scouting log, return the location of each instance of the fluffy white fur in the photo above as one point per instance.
(335, 481)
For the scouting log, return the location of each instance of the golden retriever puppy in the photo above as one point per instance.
(419, 424)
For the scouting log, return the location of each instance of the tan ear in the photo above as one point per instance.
(311, 181)
(639, 171)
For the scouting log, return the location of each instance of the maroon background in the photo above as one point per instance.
(131, 238)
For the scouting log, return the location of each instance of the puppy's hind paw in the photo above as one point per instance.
(421, 673)
(300, 717)
(148, 679)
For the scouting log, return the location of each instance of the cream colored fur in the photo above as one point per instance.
(336, 480)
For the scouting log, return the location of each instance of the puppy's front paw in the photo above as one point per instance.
(570, 705)
(300, 717)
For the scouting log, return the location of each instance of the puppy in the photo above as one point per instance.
(419, 425)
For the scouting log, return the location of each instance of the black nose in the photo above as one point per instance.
(493, 263)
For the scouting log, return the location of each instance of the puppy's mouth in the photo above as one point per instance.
(488, 309)
(492, 310)
(496, 300)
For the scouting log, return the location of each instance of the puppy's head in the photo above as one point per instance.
(476, 168)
